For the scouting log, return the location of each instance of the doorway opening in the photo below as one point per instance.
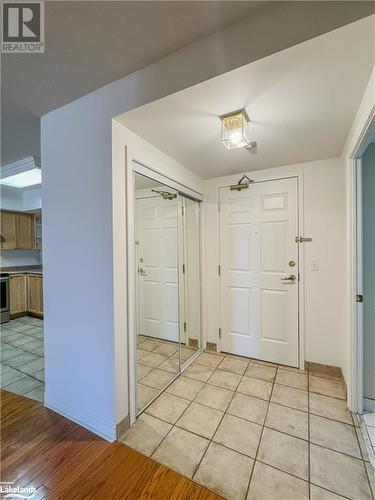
(365, 285)
(22, 315)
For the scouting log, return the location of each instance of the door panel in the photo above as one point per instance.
(8, 230)
(158, 258)
(273, 315)
(259, 310)
(272, 251)
(17, 294)
(25, 231)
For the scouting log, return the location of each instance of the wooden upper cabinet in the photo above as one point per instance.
(8, 230)
(17, 294)
(25, 231)
(17, 231)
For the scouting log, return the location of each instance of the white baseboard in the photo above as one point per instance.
(369, 405)
(81, 418)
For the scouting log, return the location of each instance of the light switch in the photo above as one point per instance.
(314, 265)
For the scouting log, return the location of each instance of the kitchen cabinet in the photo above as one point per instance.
(26, 295)
(8, 230)
(17, 230)
(35, 294)
(17, 294)
(25, 231)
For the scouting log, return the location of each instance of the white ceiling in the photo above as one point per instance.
(301, 102)
(89, 44)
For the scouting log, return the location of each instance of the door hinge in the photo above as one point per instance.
(182, 210)
(184, 326)
(359, 297)
(219, 333)
(183, 268)
(301, 239)
(219, 269)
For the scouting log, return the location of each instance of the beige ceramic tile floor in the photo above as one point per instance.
(157, 363)
(22, 357)
(369, 419)
(252, 430)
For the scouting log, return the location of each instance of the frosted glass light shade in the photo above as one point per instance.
(235, 129)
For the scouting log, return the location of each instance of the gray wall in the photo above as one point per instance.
(369, 272)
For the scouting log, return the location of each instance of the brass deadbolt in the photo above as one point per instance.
(292, 263)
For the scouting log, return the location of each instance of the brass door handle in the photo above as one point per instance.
(291, 277)
(142, 271)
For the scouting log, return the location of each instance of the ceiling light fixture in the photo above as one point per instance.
(22, 173)
(235, 129)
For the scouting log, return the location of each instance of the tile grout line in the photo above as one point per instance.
(174, 425)
(242, 454)
(23, 374)
(263, 426)
(192, 401)
(261, 434)
(175, 375)
(363, 460)
(30, 338)
(224, 413)
(20, 348)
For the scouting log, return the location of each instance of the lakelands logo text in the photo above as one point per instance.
(7, 490)
(23, 27)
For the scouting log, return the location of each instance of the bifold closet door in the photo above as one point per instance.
(190, 299)
(259, 271)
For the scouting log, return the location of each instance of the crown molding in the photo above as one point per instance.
(19, 166)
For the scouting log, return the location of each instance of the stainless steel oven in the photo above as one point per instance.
(4, 298)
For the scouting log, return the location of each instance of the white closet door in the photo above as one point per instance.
(157, 255)
(258, 304)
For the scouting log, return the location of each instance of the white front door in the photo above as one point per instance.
(157, 261)
(258, 253)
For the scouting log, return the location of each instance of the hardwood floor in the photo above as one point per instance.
(62, 460)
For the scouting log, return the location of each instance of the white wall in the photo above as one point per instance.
(368, 170)
(21, 199)
(12, 258)
(324, 222)
(76, 146)
(78, 242)
(77, 259)
(32, 198)
(11, 198)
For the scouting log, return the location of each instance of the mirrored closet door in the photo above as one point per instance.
(167, 252)
(190, 337)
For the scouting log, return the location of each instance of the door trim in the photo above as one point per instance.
(355, 264)
(301, 293)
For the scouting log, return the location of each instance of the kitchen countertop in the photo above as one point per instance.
(23, 270)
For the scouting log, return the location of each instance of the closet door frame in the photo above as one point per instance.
(134, 165)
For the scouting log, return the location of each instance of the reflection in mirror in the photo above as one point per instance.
(191, 322)
(157, 283)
